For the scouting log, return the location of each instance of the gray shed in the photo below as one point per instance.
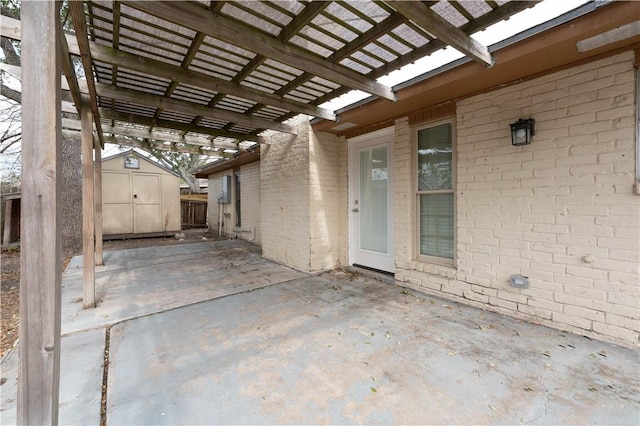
(140, 197)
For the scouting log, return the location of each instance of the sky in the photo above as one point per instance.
(542, 12)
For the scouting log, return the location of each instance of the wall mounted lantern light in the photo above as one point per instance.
(522, 131)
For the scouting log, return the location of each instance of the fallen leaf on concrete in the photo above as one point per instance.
(602, 353)
(528, 389)
(492, 407)
(546, 353)
(373, 389)
(593, 388)
(388, 335)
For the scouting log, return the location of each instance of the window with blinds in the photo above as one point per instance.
(435, 191)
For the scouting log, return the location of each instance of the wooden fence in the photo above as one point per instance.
(193, 211)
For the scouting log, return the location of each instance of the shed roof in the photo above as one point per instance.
(143, 158)
(222, 164)
(212, 74)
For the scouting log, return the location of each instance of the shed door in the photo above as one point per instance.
(147, 203)
(116, 203)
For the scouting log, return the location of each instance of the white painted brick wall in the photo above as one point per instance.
(250, 204)
(328, 200)
(285, 197)
(250, 229)
(214, 191)
(560, 211)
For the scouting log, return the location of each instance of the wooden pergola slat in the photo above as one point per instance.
(499, 13)
(151, 135)
(185, 107)
(434, 24)
(218, 26)
(135, 143)
(157, 68)
(69, 71)
(76, 9)
(169, 124)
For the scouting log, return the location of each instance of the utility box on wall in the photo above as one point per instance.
(225, 195)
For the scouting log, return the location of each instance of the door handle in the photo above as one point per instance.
(355, 210)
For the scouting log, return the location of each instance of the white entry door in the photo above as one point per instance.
(370, 200)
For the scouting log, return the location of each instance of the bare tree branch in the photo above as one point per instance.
(12, 125)
(181, 163)
(9, 93)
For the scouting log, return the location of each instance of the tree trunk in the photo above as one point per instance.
(192, 181)
(71, 195)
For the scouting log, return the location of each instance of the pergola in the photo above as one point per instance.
(196, 77)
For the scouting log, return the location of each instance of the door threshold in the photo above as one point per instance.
(378, 274)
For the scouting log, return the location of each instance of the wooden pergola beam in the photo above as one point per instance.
(376, 31)
(168, 137)
(135, 143)
(431, 22)
(132, 143)
(125, 137)
(499, 13)
(69, 71)
(133, 132)
(41, 221)
(88, 214)
(10, 28)
(115, 57)
(97, 190)
(169, 124)
(77, 16)
(193, 16)
(307, 15)
(185, 107)
(478, 24)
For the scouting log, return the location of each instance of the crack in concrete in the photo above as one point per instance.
(105, 377)
(546, 405)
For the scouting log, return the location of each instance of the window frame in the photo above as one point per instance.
(637, 181)
(416, 193)
(237, 197)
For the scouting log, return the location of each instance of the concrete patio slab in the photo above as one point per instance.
(323, 349)
(138, 282)
(210, 333)
(81, 371)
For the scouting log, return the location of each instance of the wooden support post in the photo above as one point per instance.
(97, 168)
(40, 253)
(8, 223)
(88, 231)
